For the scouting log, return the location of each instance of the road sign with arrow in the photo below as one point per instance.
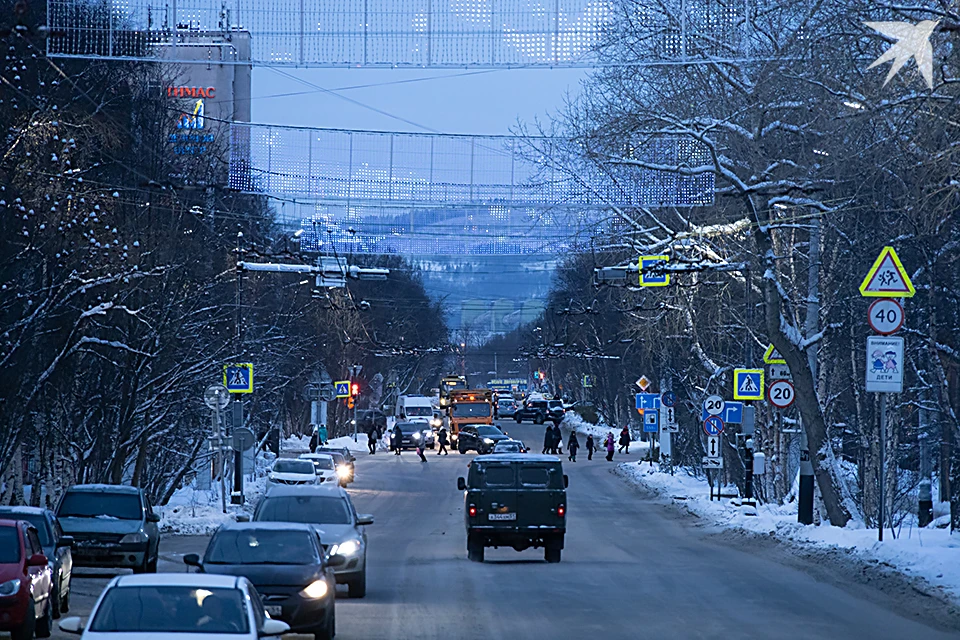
(713, 446)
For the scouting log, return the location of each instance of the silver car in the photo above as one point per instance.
(328, 507)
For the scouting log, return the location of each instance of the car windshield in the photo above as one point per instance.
(100, 504)
(37, 520)
(419, 411)
(487, 430)
(322, 464)
(305, 509)
(9, 545)
(293, 466)
(172, 609)
(411, 427)
(263, 546)
(471, 410)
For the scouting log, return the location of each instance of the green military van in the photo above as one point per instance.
(515, 500)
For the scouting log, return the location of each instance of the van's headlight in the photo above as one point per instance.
(133, 538)
(346, 548)
(10, 587)
(316, 590)
(436, 422)
(343, 471)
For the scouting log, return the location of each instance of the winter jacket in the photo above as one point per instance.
(322, 437)
(573, 443)
(442, 436)
(609, 442)
(548, 438)
(624, 437)
(590, 445)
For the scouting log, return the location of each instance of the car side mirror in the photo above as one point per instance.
(461, 484)
(566, 481)
(37, 560)
(72, 625)
(152, 517)
(336, 561)
(65, 541)
(364, 519)
(273, 627)
(192, 560)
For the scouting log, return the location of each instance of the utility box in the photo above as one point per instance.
(759, 464)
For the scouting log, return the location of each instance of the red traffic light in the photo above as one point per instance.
(355, 389)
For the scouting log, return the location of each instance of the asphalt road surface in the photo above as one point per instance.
(632, 568)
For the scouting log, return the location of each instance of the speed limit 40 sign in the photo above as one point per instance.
(885, 316)
(781, 394)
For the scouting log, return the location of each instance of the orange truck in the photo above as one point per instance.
(468, 406)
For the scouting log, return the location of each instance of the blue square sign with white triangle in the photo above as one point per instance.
(748, 384)
(238, 377)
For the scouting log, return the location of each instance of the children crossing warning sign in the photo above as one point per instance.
(887, 278)
(748, 384)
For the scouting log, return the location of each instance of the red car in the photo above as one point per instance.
(26, 582)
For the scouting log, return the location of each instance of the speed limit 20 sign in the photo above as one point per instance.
(781, 394)
(885, 316)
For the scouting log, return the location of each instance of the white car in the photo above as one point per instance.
(178, 606)
(287, 472)
(323, 465)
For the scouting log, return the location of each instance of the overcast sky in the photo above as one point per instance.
(451, 101)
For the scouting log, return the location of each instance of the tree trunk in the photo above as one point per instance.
(141, 462)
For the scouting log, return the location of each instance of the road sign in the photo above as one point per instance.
(650, 275)
(238, 378)
(328, 393)
(772, 356)
(243, 439)
(651, 421)
(885, 316)
(781, 394)
(713, 406)
(713, 426)
(668, 399)
(748, 384)
(884, 364)
(732, 412)
(643, 382)
(713, 446)
(887, 278)
(668, 419)
(342, 388)
(648, 401)
(712, 463)
(778, 372)
(587, 381)
(216, 397)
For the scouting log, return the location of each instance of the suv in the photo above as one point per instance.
(506, 407)
(482, 438)
(112, 526)
(515, 500)
(539, 411)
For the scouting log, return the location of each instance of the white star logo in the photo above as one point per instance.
(912, 42)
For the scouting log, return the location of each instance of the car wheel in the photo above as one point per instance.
(25, 630)
(474, 548)
(55, 601)
(538, 419)
(517, 418)
(357, 588)
(65, 599)
(44, 624)
(551, 554)
(460, 449)
(152, 565)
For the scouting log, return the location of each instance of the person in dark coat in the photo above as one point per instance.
(572, 445)
(625, 440)
(313, 441)
(548, 446)
(372, 440)
(590, 446)
(609, 444)
(442, 439)
(397, 440)
(558, 439)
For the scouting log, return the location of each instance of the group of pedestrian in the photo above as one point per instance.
(373, 437)
(553, 440)
(318, 438)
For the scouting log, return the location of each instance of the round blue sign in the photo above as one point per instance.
(668, 399)
(713, 426)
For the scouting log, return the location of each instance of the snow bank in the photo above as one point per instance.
(573, 421)
(930, 554)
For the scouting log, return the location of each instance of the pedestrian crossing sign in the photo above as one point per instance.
(343, 388)
(653, 272)
(748, 384)
(238, 377)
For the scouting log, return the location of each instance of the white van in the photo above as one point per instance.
(414, 409)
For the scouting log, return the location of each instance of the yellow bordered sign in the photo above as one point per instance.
(772, 356)
(238, 377)
(648, 279)
(887, 278)
(748, 384)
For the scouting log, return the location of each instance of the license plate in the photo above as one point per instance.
(502, 516)
(274, 610)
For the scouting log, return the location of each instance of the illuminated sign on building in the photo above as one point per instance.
(191, 92)
(194, 120)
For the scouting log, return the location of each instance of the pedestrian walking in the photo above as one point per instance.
(625, 440)
(372, 440)
(590, 446)
(397, 437)
(572, 445)
(322, 434)
(609, 444)
(442, 439)
(548, 441)
(558, 439)
(423, 458)
(313, 441)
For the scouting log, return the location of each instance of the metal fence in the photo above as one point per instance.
(354, 168)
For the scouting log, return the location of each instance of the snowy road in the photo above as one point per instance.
(632, 568)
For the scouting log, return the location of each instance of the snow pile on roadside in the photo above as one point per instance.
(347, 441)
(295, 443)
(930, 554)
(573, 421)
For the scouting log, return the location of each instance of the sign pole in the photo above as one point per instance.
(216, 433)
(237, 496)
(883, 467)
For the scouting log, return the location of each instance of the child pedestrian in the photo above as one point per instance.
(590, 447)
(609, 444)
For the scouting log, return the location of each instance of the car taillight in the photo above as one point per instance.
(472, 511)
(561, 511)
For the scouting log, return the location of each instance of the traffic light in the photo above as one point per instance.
(350, 402)
(355, 389)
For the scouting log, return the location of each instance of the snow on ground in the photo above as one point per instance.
(302, 443)
(573, 420)
(930, 554)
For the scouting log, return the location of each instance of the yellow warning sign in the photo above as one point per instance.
(772, 356)
(887, 278)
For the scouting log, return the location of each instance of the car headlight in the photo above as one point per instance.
(134, 538)
(343, 471)
(416, 436)
(488, 440)
(10, 587)
(316, 590)
(346, 548)
(427, 434)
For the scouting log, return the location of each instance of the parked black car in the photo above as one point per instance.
(56, 546)
(539, 411)
(112, 526)
(481, 438)
(286, 563)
